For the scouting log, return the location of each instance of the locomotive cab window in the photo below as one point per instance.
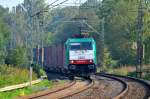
(81, 46)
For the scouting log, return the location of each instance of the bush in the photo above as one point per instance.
(10, 75)
(17, 56)
(38, 70)
(108, 61)
(42, 72)
(147, 77)
(29, 90)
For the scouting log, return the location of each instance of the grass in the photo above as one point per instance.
(29, 90)
(125, 72)
(10, 75)
(147, 77)
(119, 71)
(122, 71)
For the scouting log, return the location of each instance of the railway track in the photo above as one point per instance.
(109, 86)
(101, 86)
(105, 87)
(124, 89)
(136, 88)
(76, 86)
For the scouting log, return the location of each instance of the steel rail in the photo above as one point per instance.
(125, 85)
(140, 81)
(47, 92)
(81, 90)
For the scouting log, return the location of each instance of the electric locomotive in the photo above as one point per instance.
(81, 56)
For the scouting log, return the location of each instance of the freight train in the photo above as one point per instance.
(77, 57)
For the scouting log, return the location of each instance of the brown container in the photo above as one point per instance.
(54, 56)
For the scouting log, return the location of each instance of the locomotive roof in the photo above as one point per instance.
(80, 40)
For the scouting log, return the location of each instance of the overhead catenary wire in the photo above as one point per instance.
(42, 10)
(53, 3)
(48, 7)
(91, 27)
(59, 3)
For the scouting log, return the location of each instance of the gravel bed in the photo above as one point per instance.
(104, 88)
(136, 90)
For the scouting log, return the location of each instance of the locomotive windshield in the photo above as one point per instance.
(81, 46)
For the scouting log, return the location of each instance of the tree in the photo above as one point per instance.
(120, 28)
(4, 33)
(146, 34)
(17, 57)
(26, 30)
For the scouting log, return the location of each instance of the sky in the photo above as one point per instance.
(11, 3)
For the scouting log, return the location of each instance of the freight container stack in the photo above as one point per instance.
(53, 57)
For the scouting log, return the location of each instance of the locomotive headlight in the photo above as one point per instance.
(71, 61)
(91, 61)
(72, 67)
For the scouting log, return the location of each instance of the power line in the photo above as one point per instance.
(53, 3)
(92, 28)
(47, 7)
(59, 3)
(63, 3)
(42, 10)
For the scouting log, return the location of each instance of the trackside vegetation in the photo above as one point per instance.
(44, 85)
(127, 71)
(11, 75)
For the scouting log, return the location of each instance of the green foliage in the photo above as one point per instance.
(119, 29)
(4, 33)
(15, 93)
(17, 56)
(132, 74)
(147, 77)
(125, 72)
(108, 61)
(65, 31)
(42, 72)
(38, 70)
(10, 75)
(29, 90)
(49, 39)
(29, 31)
(119, 71)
